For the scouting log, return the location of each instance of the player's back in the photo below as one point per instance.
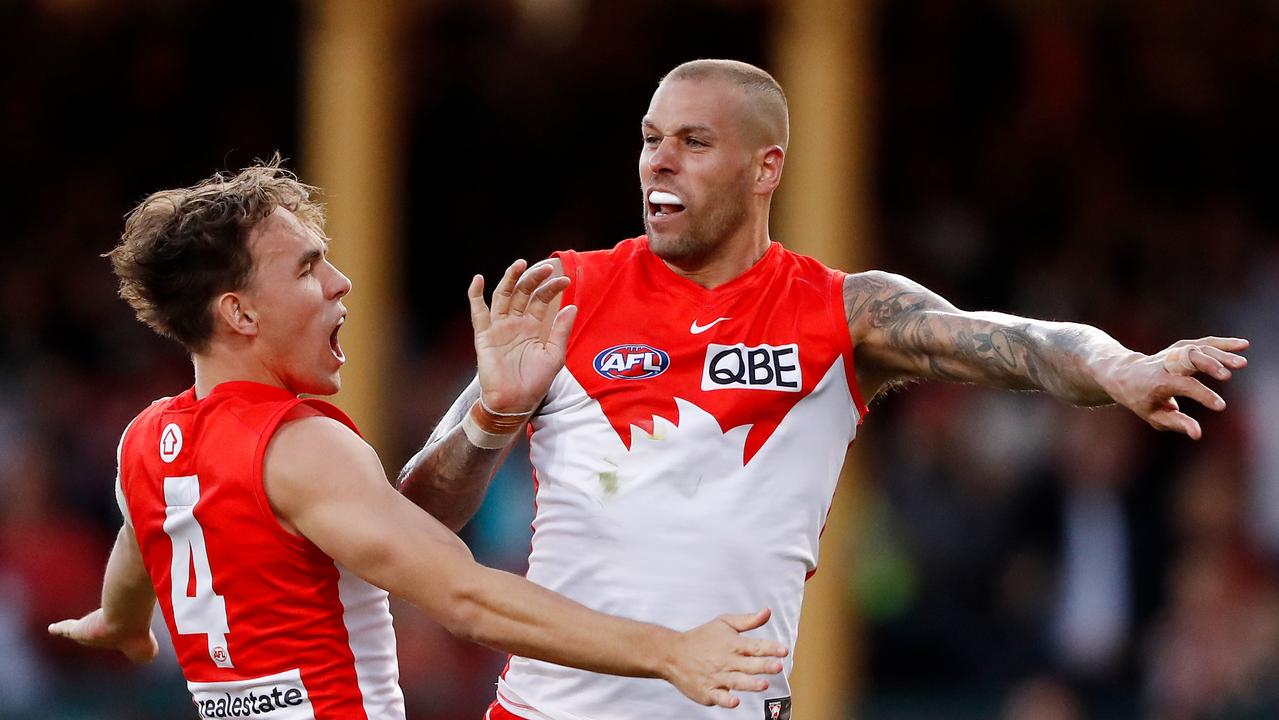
(263, 622)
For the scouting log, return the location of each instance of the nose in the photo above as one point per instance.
(662, 158)
(340, 284)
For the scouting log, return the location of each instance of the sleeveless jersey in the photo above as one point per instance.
(684, 460)
(263, 622)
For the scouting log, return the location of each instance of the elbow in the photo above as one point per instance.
(463, 610)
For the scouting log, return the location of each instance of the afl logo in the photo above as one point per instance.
(631, 362)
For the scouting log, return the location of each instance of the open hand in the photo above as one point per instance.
(521, 341)
(1149, 385)
(93, 630)
(712, 660)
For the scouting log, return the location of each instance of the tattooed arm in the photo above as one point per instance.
(449, 476)
(519, 347)
(903, 331)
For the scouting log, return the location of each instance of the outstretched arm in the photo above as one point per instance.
(328, 485)
(519, 347)
(124, 621)
(903, 331)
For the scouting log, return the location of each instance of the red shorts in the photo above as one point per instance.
(497, 712)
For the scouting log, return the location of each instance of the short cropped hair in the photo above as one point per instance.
(758, 85)
(182, 248)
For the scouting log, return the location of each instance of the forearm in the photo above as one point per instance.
(513, 615)
(128, 597)
(449, 476)
(436, 571)
(1066, 360)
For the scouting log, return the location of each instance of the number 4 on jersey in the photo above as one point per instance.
(205, 612)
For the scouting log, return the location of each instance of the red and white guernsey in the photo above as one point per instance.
(685, 460)
(264, 623)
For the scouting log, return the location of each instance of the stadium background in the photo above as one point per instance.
(1005, 557)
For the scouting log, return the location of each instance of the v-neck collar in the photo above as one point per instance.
(710, 296)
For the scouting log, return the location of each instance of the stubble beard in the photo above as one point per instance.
(704, 235)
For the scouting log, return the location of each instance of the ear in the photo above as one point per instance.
(768, 173)
(234, 311)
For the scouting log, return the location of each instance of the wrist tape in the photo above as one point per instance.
(491, 430)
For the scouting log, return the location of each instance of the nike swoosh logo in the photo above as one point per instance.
(699, 329)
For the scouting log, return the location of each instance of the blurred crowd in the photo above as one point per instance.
(1102, 161)
(1109, 163)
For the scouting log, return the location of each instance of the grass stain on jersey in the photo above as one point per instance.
(608, 482)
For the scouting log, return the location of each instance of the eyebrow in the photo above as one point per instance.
(683, 129)
(311, 256)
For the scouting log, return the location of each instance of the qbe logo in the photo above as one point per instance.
(631, 362)
(761, 367)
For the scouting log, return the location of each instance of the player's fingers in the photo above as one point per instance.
(756, 665)
(747, 621)
(1206, 363)
(1193, 389)
(528, 283)
(722, 698)
(562, 326)
(1230, 344)
(1178, 360)
(505, 289)
(1176, 421)
(546, 294)
(1229, 359)
(742, 681)
(480, 318)
(63, 628)
(756, 647)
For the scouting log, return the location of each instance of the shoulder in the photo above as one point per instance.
(307, 435)
(310, 448)
(876, 281)
(866, 292)
(313, 461)
(144, 425)
(155, 408)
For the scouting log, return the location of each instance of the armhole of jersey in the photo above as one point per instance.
(120, 500)
(568, 263)
(259, 488)
(839, 317)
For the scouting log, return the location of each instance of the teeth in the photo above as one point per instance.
(657, 197)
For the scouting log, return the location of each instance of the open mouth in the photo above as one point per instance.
(334, 346)
(664, 204)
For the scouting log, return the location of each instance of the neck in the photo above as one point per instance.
(729, 259)
(219, 364)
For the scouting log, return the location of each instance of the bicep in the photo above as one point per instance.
(129, 550)
(903, 331)
(338, 498)
(125, 566)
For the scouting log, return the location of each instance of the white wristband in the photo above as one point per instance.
(482, 438)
